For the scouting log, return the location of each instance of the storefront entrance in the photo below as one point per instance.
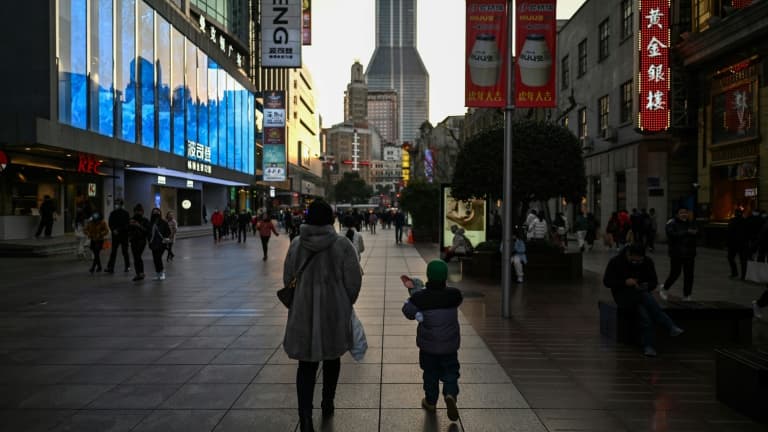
(189, 207)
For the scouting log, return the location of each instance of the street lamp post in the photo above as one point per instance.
(506, 255)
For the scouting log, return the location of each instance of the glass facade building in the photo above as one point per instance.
(124, 71)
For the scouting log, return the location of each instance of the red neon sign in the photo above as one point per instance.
(87, 164)
(653, 78)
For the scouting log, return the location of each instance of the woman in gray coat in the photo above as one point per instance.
(319, 327)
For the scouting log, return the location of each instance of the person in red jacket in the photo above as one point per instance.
(217, 220)
(266, 228)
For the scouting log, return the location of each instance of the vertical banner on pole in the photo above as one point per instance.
(536, 42)
(486, 54)
(274, 160)
(654, 73)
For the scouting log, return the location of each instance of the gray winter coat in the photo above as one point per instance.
(319, 326)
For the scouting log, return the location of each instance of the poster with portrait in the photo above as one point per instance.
(469, 215)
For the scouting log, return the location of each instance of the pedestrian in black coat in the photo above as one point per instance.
(738, 244)
(682, 236)
(138, 229)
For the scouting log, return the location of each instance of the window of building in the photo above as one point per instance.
(627, 15)
(582, 132)
(626, 101)
(602, 120)
(102, 89)
(605, 39)
(72, 63)
(702, 12)
(146, 33)
(179, 92)
(163, 30)
(565, 73)
(564, 122)
(582, 58)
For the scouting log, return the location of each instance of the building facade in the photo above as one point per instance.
(383, 114)
(356, 96)
(120, 99)
(396, 65)
(599, 102)
(350, 146)
(724, 55)
(303, 137)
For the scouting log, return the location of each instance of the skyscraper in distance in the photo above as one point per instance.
(396, 64)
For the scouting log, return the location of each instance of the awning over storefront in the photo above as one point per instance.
(185, 175)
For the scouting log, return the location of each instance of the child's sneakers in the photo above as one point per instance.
(428, 406)
(453, 410)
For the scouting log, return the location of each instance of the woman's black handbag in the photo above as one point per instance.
(286, 293)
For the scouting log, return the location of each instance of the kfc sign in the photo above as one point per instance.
(88, 164)
(653, 78)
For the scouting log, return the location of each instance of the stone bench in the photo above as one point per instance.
(742, 381)
(708, 323)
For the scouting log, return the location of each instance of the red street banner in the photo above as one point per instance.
(653, 76)
(535, 45)
(486, 52)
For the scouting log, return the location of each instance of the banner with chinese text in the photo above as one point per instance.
(306, 22)
(535, 45)
(281, 33)
(486, 54)
(654, 75)
(274, 161)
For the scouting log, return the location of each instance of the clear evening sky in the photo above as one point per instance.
(343, 31)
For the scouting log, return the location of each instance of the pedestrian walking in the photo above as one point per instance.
(96, 230)
(537, 228)
(592, 225)
(738, 244)
(519, 257)
(438, 337)
(759, 304)
(653, 226)
(681, 239)
(637, 226)
(631, 276)
(318, 327)
(138, 229)
(266, 228)
(232, 224)
(119, 219)
(355, 237)
(560, 228)
(47, 217)
(217, 220)
(243, 221)
(82, 216)
(372, 221)
(581, 226)
(159, 235)
(173, 226)
(399, 220)
(295, 227)
(612, 229)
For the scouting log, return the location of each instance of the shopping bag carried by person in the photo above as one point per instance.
(757, 272)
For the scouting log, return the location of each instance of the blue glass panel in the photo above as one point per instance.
(202, 95)
(222, 118)
(251, 134)
(179, 92)
(230, 122)
(238, 141)
(163, 84)
(72, 63)
(191, 93)
(147, 73)
(213, 113)
(102, 86)
(126, 70)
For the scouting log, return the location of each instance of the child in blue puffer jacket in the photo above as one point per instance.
(437, 336)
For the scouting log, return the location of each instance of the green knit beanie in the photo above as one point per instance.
(437, 270)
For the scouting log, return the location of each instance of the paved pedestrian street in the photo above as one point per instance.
(201, 351)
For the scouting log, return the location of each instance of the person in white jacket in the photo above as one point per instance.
(537, 230)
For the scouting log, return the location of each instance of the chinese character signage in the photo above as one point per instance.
(733, 114)
(275, 166)
(281, 33)
(486, 51)
(741, 4)
(653, 76)
(198, 157)
(535, 43)
(306, 22)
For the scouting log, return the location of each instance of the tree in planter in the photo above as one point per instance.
(547, 163)
(422, 201)
(352, 189)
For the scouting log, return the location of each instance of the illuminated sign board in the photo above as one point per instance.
(281, 33)
(653, 78)
(88, 164)
(468, 215)
(198, 157)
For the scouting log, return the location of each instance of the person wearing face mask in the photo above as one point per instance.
(138, 229)
(158, 236)
(631, 276)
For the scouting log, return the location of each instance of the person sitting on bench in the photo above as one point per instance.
(460, 246)
(631, 276)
